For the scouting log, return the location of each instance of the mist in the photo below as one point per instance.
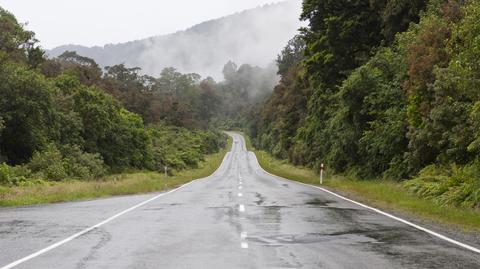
(253, 37)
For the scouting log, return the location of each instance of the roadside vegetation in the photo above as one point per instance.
(111, 185)
(389, 195)
(392, 99)
(68, 126)
(392, 96)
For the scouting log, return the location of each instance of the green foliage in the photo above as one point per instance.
(243, 88)
(17, 44)
(69, 163)
(63, 118)
(369, 126)
(340, 36)
(372, 100)
(179, 148)
(82, 165)
(291, 55)
(117, 134)
(397, 15)
(13, 176)
(451, 185)
(84, 69)
(274, 124)
(27, 109)
(48, 164)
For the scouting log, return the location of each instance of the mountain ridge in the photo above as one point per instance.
(254, 36)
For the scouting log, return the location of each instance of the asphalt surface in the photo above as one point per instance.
(240, 217)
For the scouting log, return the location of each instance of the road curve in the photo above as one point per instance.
(240, 217)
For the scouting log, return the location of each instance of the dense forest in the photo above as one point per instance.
(67, 118)
(372, 88)
(385, 89)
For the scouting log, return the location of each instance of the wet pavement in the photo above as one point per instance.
(240, 217)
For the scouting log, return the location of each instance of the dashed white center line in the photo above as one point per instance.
(239, 187)
(241, 208)
(243, 235)
(240, 194)
(244, 245)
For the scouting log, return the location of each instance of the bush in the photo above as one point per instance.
(82, 165)
(180, 148)
(48, 164)
(13, 176)
(449, 186)
(71, 162)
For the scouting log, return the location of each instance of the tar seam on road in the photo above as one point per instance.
(443, 237)
(66, 240)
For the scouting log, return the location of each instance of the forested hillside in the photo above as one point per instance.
(384, 89)
(253, 36)
(65, 118)
(373, 89)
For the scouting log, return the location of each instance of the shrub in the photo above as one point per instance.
(13, 176)
(48, 164)
(180, 148)
(82, 165)
(71, 162)
(449, 186)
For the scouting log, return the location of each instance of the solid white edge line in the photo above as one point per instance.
(443, 237)
(66, 240)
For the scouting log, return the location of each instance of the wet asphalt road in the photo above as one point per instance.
(240, 217)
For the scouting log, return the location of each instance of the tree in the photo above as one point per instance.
(118, 135)
(84, 68)
(291, 55)
(18, 44)
(27, 108)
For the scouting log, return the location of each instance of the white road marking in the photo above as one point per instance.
(240, 194)
(244, 245)
(239, 187)
(66, 240)
(241, 208)
(418, 227)
(243, 235)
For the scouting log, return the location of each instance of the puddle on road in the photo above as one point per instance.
(260, 198)
(319, 202)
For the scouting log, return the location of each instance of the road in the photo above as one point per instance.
(240, 217)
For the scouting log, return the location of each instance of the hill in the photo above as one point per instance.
(253, 36)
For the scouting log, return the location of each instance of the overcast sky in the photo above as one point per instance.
(99, 22)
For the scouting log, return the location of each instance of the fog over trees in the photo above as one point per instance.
(253, 36)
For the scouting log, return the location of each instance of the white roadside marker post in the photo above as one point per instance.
(166, 174)
(321, 174)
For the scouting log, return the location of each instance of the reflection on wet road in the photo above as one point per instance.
(240, 217)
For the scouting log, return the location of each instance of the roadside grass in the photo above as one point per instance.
(383, 194)
(120, 184)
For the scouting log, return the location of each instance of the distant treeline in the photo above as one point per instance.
(382, 88)
(66, 118)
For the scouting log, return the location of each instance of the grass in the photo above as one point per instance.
(121, 184)
(383, 194)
